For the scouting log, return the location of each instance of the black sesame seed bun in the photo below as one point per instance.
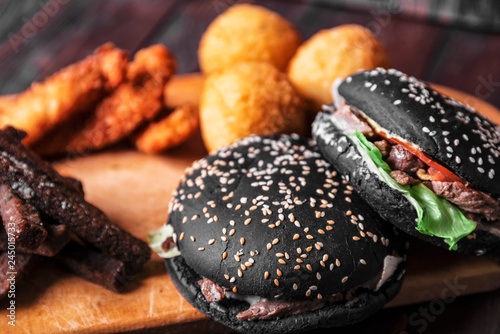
(451, 133)
(362, 306)
(269, 217)
(388, 202)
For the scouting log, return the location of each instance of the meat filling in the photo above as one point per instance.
(212, 291)
(267, 309)
(408, 169)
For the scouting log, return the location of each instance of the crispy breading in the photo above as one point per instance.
(248, 98)
(247, 32)
(133, 102)
(73, 89)
(168, 132)
(333, 54)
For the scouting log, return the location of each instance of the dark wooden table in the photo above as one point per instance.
(39, 37)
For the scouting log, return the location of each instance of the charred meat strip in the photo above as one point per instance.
(21, 220)
(96, 267)
(57, 237)
(20, 262)
(41, 186)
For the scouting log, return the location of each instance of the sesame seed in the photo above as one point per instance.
(240, 273)
(309, 236)
(232, 280)
(211, 241)
(337, 262)
(266, 275)
(397, 102)
(320, 231)
(297, 267)
(325, 257)
(182, 236)
(231, 233)
(308, 249)
(308, 293)
(308, 266)
(282, 261)
(201, 249)
(318, 276)
(280, 254)
(295, 286)
(224, 255)
(331, 222)
(345, 279)
(235, 289)
(275, 241)
(297, 223)
(242, 241)
(276, 282)
(355, 238)
(269, 246)
(362, 261)
(296, 236)
(278, 272)
(192, 238)
(237, 258)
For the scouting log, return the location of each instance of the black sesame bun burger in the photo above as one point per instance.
(265, 237)
(424, 161)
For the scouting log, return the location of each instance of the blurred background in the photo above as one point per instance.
(449, 42)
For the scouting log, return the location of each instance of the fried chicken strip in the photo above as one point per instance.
(135, 101)
(168, 132)
(72, 90)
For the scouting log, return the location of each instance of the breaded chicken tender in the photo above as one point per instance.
(332, 54)
(139, 98)
(247, 33)
(169, 131)
(248, 98)
(72, 90)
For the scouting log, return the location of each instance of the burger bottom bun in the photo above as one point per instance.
(389, 203)
(363, 305)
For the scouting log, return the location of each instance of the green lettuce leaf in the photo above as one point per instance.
(436, 216)
(156, 238)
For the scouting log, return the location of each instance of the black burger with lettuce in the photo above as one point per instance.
(265, 237)
(425, 162)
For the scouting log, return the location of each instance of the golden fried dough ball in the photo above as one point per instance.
(331, 54)
(248, 98)
(247, 33)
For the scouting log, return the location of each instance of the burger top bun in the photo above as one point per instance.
(267, 216)
(448, 131)
(247, 33)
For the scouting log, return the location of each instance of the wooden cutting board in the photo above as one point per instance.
(133, 189)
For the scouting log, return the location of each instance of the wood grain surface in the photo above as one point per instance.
(134, 189)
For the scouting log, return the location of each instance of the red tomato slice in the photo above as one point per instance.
(438, 172)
